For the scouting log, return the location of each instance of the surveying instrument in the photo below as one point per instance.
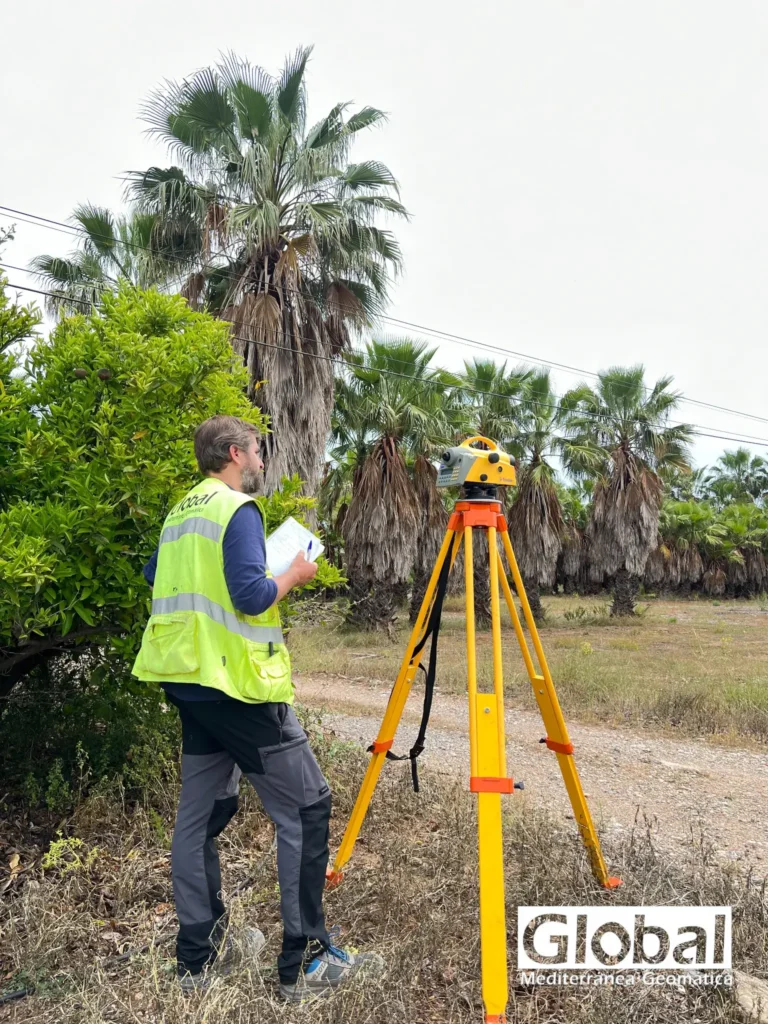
(479, 472)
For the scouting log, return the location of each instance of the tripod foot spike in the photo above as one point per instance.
(333, 878)
(613, 882)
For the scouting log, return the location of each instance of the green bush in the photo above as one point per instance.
(81, 720)
(95, 447)
(289, 501)
(111, 402)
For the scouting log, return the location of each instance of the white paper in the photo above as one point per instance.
(287, 541)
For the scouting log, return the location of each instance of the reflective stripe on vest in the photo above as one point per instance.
(204, 606)
(203, 527)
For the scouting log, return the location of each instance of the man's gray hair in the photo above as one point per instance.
(213, 438)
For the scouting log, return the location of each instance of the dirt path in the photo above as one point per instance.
(679, 784)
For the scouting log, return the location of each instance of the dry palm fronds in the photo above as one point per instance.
(714, 579)
(214, 227)
(432, 511)
(193, 289)
(623, 529)
(434, 521)
(536, 528)
(754, 562)
(691, 565)
(573, 552)
(655, 567)
(381, 527)
(285, 349)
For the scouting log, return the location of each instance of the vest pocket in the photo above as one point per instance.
(268, 673)
(171, 645)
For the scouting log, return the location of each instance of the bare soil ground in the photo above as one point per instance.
(683, 787)
(685, 668)
(668, 711)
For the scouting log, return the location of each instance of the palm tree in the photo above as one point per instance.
(138, 249)
(740, 555)
(535, 520)
(686, 528)
(492, 397)
(289, 248)
(395, 409)
(574, 502)
(738, 476)
(620, 432)
(686, 485)
(348, 450)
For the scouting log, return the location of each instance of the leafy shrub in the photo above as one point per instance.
(95, 447)
(105, 448)
(81, 720)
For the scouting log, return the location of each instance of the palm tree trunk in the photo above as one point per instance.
(400, 592)
(534, 600)
(371, 607)
(482, 579)
(625, 590)
(419, 589)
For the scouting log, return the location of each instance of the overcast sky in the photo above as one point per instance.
(587, 179)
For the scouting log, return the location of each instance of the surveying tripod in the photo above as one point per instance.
(480, 472)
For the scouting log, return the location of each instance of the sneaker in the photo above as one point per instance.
(249, 945)
(328, 970)
(191, 984)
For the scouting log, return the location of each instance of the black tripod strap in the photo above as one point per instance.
(432, 631)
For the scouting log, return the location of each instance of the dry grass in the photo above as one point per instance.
(692, 667)
(411, 893)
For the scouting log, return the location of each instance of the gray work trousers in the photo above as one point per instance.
(222, 740)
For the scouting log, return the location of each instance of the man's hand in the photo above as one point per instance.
(299, 572)
(304, 570)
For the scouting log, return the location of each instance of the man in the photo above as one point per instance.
(215, 644)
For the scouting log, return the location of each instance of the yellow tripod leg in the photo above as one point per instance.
(488, 757)
(390, 722)
(552, 715)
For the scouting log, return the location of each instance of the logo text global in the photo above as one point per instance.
(605, 938)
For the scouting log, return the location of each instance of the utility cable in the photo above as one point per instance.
(464, 340)
(427, 385)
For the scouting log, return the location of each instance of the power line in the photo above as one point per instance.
(472, 342)
(462, 387)
(699, 428)
(467, 388)
(564, 366)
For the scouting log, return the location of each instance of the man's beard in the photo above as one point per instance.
(251, 481)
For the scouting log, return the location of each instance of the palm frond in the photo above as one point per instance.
(251, 93)
(290, 94)
(367, 117)
(327, 131)
(98, 223)
(372, 175)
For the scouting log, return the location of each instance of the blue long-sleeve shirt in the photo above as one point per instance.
(250, 589)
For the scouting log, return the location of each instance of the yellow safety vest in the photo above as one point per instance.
(195, 634)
